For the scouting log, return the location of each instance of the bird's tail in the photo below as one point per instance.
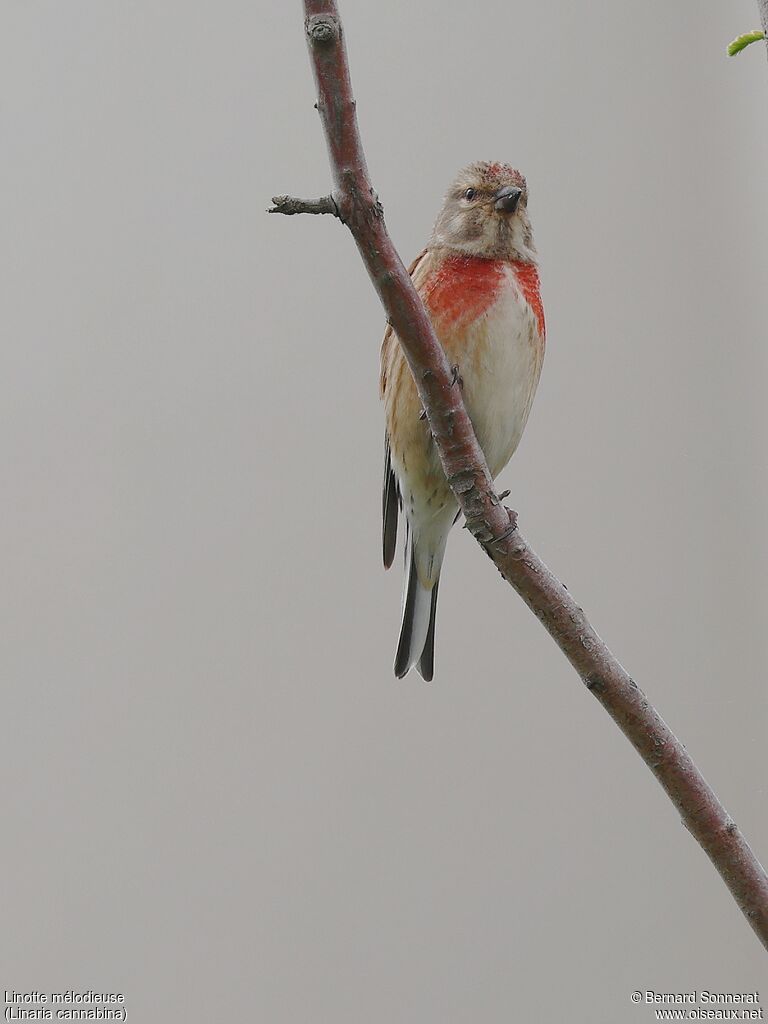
(417, 631)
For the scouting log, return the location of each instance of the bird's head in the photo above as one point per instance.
(485, 213)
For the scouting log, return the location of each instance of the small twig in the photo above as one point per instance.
(289, 206)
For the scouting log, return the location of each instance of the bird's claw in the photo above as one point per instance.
(509, 530)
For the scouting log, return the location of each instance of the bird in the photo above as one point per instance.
(479, 281)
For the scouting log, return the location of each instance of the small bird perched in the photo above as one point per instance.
(479, 282)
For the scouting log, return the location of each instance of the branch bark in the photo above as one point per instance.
(493, 525)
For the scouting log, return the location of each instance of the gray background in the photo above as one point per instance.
(215, 798)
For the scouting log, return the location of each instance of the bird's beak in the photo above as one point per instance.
(507, 199)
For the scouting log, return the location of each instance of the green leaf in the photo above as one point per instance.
(739, 44)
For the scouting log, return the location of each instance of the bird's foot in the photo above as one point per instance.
(510, 529)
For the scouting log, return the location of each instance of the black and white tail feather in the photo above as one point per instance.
(416, 645)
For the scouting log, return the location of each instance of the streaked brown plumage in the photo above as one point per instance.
(479, 282)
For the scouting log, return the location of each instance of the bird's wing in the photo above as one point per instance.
(390, 505)
(418, 270)
(390, 502)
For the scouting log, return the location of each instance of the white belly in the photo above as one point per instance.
(500, 372)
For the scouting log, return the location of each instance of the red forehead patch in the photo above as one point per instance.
(499, 170)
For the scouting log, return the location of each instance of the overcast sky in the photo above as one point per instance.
(216, 799)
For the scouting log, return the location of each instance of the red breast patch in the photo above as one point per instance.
(528, 280)
(462, 288)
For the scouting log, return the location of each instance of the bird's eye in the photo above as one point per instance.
(470, 194)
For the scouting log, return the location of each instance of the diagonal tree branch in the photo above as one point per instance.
(494, 526)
